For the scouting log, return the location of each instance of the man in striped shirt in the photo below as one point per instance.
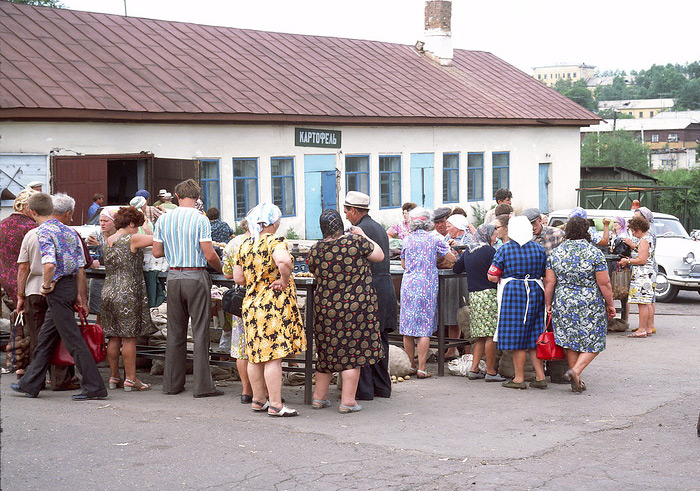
(183, 236)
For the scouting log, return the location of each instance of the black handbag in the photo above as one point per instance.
(620, 248)
(232, 301)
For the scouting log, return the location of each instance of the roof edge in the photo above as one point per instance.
(103, 116)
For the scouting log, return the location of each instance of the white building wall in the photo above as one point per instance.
(528, 147)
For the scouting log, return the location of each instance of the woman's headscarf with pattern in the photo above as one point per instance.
(646, 213)
(261, 216)
(331, 223)
(482, 236)
(108, 213)
(623, 225)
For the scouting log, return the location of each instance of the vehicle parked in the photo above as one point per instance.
(677, 254)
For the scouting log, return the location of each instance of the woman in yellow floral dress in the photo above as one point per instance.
(273, 324)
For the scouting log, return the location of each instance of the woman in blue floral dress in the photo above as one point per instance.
(419, 287)
(578, 295)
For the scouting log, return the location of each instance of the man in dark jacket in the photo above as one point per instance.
(374, 379)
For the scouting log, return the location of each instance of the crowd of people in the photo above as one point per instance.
(519, 272)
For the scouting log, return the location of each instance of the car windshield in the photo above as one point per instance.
(664, 227)
(95, 220)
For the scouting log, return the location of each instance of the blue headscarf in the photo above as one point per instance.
(261, 216)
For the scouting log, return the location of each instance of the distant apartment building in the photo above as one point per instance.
(551, 74)
(673, 141)
(638, 108)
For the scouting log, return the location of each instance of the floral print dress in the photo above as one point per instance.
(419, 287)
(579, 318)
(643, 284)
(273, 325)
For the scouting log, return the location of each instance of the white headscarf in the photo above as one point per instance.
(520, 230)
(261, 216)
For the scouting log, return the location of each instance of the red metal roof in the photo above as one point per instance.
(65, 64)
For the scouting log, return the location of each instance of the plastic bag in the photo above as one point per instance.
(462, 365)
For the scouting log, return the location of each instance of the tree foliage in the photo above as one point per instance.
(671, 201)
(615, 148)
(577, 92)
(40, 3)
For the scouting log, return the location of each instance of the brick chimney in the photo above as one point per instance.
(438, 31)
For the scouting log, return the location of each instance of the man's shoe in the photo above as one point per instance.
(210, 394)
(88, 397)
(19, 389)
(174, 392)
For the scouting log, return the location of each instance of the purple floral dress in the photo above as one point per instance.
(419, 287)
(12, 231)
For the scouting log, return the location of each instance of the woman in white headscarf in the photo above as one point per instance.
(273, 324)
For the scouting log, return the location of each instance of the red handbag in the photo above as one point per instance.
(94, 337)
(547, 349)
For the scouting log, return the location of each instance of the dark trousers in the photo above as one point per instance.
(375, 379)
(189, 296)
(59, 323)
(35, 307)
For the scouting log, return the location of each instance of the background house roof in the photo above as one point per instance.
(60, 64)
(639, 124)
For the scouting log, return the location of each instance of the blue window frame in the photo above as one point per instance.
(282, 172)
(245, 185)
(501, 170)
(209, 181)
(389, 181)
(450, 177)
(357, 173)
(475, 176)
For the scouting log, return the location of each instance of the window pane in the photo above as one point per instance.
(288, 208)
(450, 161)
(210, 169)
(475, 160)
(384, 190)
(245, 168)
(252, 188)
(282, 167)
(389, 164)
(500, 159)
(212, 194)
(241, 205)
(357, 163)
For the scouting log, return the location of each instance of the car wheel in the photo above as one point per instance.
(665, 291)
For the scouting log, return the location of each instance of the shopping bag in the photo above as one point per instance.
(546, 347)
(94, 337)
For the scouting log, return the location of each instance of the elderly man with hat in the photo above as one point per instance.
(374, 379)
(440, 221)
(166, 203)
(36, 186)
(547, 237)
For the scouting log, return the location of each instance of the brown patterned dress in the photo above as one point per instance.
(346, 326)
(124, 306)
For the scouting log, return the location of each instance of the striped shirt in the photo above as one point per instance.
(180, 231)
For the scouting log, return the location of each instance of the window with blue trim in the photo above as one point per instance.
(245, 186)
(450, 177)
(282, 172)
(475, 176)
(357, 173)
(209, 181)
(501, 170)
(389, 181)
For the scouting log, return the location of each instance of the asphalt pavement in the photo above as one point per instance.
(634, 428)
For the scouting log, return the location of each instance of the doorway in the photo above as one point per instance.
(320, 191)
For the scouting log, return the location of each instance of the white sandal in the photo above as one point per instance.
(282, 412)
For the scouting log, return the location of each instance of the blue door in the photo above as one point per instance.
(422, 179)
(320, 191)
(544, 188)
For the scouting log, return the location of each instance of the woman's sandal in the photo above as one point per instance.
(343, 409)
(135, 385)
(423, 374)
(261, 406)
(320, 403)
(282, 412)
(571, 377)
(412, 371)
(116, 383)
(640, 336)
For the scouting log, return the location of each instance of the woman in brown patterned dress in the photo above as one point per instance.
(346, 326)
(124, 307)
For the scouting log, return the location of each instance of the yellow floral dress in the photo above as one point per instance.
(273, 324)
